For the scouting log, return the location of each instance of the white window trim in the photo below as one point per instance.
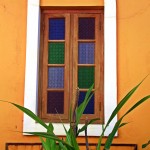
(31, 75)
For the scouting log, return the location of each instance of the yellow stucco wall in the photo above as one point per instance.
(133, 63)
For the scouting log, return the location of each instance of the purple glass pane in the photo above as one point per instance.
(57, 29)
(55, 77)
(55, 102)
(86, 28)
(90, 107)
(86, 53)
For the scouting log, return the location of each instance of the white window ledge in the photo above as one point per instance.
(32, 57)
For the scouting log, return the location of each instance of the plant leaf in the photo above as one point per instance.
(146, 144)
(50, 142)
(29, 113)
(85, 126)
(81, 108)
(51, 136)
(62, 146)
(117, 109)
(68, 139)
(123, 101)
(123, 124)
(73, 140)
(45, 146)
(111, 136)
(50, 128)
(137, 104)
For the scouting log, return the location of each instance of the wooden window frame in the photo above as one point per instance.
(98, 65)
(71, 62)
(43, 73)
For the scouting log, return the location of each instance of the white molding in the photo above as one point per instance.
(110, 73)
(32, 51)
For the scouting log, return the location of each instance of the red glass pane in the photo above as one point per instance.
(86, 28)
(55, 102)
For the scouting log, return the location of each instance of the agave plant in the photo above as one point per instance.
(51, 142)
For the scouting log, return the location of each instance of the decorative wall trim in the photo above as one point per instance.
(122, 145)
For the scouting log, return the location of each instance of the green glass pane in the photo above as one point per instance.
(56, 53)
(85, 77)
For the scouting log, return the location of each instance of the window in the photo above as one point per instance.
(71, 57)
(32, 65)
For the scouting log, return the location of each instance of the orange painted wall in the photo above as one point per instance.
(72, 3)
(13, 16)
(133, 63)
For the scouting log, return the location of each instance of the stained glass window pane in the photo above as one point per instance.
(86, 53)
(86, 28)
(85, 76)
(56, 53)
(55, 77)
(55, 102)
(90, 107)
(57, 28)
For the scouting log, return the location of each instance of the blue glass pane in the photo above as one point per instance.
(86, 53)
(57, 29)
(90, 107)
(86, 28)
(55, 77)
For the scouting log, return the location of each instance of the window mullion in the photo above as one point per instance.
(75, 52)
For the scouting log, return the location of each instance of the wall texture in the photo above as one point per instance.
(133, 64)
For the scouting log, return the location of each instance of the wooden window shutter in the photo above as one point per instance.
(71, 56)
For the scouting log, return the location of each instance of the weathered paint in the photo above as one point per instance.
(133, 63)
